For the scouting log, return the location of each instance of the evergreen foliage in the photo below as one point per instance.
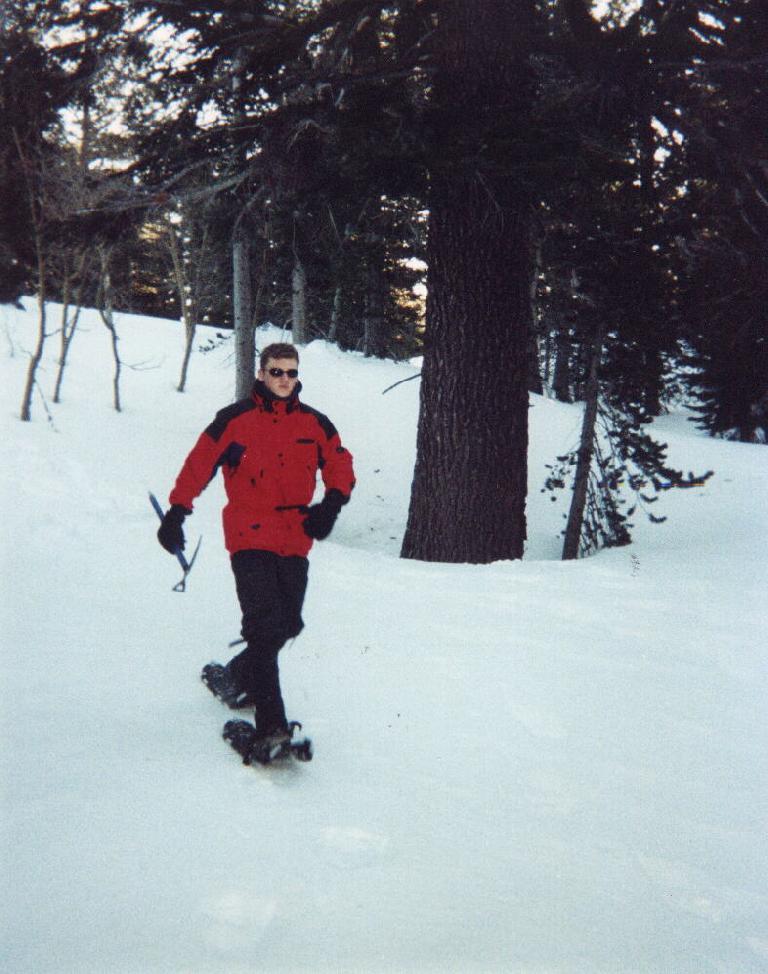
(295, 96)
(626, 249)
(623, 158)
(721, 223)
(628, 467)
(34, 86)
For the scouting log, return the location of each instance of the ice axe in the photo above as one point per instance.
(186, 565)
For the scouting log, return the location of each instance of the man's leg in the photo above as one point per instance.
(270, 590)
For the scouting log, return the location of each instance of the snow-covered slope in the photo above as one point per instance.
(523, 767)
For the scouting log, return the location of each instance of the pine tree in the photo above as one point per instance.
(34, 86)
(722, 225)
(608, 236)
(468, 495)
(304, 147)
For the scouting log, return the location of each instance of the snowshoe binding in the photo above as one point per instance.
(216, 677)
(275, 745)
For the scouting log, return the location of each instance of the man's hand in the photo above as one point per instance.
(321, 517)
(170, 534)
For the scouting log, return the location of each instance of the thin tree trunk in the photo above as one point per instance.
(109, 321)
(106, 310)
(189, 338)
(65, 297)
(335, 314)
(535, 383)
(35, 203)
(586, 452)
(68, 329)
(245, 352)
(69, 326)
(298, 303)
(35, 358)
(561, 380)
(186, 304)
(242, 292)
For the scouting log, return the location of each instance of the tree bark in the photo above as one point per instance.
(107, 312)
(298, 303)
(242, 292)
(34, 200)
(69, 324)
(187, 305)
(469, 487)
(535, 379)
(586, 452)
(189, 337)
(245, 352)
(535, 383)
(561, 381)
(333, 331)
(36, 357)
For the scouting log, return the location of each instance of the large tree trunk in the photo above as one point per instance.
(469, 487)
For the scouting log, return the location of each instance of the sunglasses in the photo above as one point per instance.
(279, 373)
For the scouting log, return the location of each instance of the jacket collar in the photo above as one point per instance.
(270, 402)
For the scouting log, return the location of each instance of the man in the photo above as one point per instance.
(269, 448)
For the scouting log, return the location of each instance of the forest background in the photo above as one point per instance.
(580, 190)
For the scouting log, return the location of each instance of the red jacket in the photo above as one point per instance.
(269, 451)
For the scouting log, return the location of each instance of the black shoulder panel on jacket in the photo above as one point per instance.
(225, 416)
(326, 425)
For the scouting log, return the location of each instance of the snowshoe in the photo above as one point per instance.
(266, 748)
(220, 683)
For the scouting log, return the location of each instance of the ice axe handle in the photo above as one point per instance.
(159, 511)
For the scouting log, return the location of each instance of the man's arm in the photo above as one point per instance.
(336, 466)
(197, 472)
(338, 477)
(212, 449)
(193, 478)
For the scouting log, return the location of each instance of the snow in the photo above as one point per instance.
(534, 767)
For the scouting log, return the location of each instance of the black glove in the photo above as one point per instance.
(170, 534)
(321, 517)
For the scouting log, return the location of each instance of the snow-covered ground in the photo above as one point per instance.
(534, 767)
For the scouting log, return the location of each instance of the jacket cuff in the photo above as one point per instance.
(335, 498)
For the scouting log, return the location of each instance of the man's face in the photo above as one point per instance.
(281, 385)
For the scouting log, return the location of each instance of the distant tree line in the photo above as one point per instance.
(588, 193)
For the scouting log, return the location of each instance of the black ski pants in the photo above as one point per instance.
(270, 589)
